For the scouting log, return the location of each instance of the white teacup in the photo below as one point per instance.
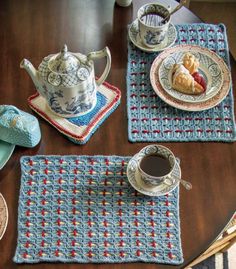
(156, 164)
(151, 32)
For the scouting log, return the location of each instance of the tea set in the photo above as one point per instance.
(66, 81)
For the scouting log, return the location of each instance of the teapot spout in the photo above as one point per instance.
(27, 65)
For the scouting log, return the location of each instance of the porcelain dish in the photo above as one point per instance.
(134, 178)
(6, 151)
(183, 104)
(136, 40)
(209, 69)
(3, 216)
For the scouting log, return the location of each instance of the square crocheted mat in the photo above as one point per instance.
(80, 129)
(83, 209)
(150, 119)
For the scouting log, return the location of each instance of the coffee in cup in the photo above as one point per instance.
(156, 164)
(152, 28)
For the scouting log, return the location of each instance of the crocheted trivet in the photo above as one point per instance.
(82, 209)
(80, 129)
(150, 119)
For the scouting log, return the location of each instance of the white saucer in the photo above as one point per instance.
(136, 182)
(3, 216)
(135, 38)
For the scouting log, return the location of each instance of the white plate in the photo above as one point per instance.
(185, 105)
(136, 182)
(6, 151)
(209, 69)
(3, 216)
(135, 38)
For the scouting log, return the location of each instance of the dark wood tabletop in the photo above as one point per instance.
(34, 29)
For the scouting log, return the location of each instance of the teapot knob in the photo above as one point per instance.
(64, 50)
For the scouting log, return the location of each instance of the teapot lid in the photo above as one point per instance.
(64, 62)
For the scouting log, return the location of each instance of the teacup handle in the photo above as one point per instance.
(98, 55)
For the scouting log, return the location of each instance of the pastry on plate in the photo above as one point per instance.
(186, 78)
(190, 62)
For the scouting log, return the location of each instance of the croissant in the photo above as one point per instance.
(190, 62)
(183, 81)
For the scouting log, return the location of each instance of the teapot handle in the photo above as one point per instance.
(100, 54)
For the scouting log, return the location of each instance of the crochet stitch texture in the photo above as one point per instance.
(150, 119)
(83, 209)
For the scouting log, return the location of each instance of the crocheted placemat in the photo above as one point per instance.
(150, 119)
(80, 129)
(82, 209)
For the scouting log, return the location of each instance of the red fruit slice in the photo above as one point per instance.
(199, 79)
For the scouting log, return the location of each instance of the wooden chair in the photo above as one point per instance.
(222, 244)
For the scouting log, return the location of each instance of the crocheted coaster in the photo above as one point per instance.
(150, 119)
(82, 209)
(80, 129)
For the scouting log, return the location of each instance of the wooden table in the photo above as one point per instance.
(34, 29)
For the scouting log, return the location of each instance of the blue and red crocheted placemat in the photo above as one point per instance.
(82, 209)
(150, 119)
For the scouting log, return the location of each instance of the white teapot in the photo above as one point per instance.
(67, 81)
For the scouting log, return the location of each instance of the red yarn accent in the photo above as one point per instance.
(90, 254)
(121, 233)
(151, 212)
(106, 253)
(27, 234)
(122, 253)
(27, 213)
(90, 234)
(121, 243)
(167, 213)
(170, 255)
(73, 253)
(25, 255)
(106, 234)
(153, 244)
(57, 253)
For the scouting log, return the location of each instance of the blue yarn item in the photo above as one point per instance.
(83, 209)
(86, 119)
(216, 124)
